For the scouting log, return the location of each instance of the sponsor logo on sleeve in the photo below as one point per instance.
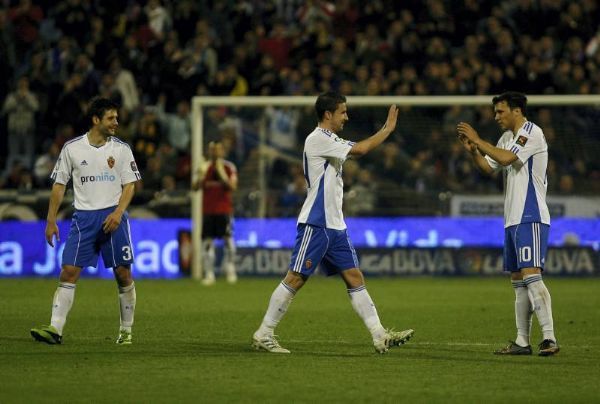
(522, 140)
(133, 166)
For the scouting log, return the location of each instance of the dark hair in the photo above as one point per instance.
(514, 100)
(99, 106)
(328, 102)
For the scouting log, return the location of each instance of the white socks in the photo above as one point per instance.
(63, 301)
(542, 304)
(278, 305)
(127, 305)
(365, 308)
(61, 305)
(208, 248)
(229, 260)
(523, 313)
(283, 295)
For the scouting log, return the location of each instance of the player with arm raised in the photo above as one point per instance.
(522, 155)
(321, 232)
(103, 172)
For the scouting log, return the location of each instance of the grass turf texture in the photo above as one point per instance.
(192, 344)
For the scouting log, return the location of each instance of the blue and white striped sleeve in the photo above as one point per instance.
(529, 141)
(129, 170)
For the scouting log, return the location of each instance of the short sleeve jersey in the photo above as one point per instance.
(525, 180)
(98, 173)
(323, 157)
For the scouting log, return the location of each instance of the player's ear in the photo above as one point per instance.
(95, 120)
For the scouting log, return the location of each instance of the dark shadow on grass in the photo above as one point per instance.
(86, 349)
(466, 355)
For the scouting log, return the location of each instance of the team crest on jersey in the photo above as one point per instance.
(522, 140)
(111, 161)
(308, 263)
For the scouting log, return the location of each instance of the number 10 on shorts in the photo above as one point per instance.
(525, 254)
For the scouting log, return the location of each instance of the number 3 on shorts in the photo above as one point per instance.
(127, 252)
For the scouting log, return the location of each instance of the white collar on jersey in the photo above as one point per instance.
(87, 139)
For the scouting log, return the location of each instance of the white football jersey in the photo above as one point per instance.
(98, 173)
(324, 154)
(525, 180)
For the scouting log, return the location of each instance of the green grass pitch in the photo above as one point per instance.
(192, 344)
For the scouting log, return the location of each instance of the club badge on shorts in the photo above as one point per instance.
(308, 263)
(111, 161)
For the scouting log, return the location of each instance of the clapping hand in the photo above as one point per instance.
(467, 131)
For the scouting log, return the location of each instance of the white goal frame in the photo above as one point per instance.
(199, 103)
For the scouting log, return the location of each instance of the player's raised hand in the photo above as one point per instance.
(466, 130)
(112, 222)
(392, 118)
(51, 232)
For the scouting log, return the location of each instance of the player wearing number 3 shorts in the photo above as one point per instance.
(103, 172)
(522, 155)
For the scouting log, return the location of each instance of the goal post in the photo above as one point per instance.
(199, 103)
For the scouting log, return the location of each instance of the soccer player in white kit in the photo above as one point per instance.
(321, 232)
(103, 172)
(522, 155)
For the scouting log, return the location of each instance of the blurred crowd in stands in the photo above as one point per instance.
(153, 56)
